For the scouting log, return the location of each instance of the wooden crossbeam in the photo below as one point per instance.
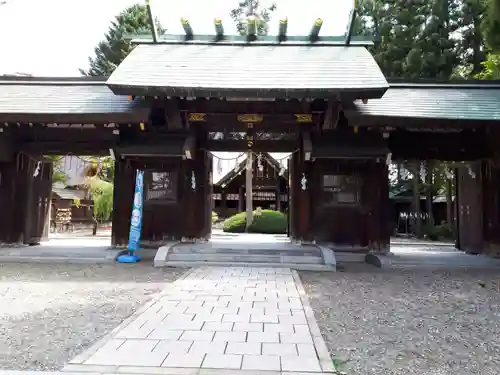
(338, 40)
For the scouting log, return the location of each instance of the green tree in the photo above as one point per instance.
(470, 45)
(262, 14)
(111, 51)
(491, 31)
(414, 41)
(491, 25)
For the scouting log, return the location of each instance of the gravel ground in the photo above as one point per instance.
(409, 321)
(51, 313)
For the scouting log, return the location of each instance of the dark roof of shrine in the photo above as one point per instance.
(84, 96)
(257, 70)
(470, 100)
(89, 97)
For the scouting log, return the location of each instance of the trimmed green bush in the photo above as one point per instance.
(264, 221)
(215, 217)
(235, 223)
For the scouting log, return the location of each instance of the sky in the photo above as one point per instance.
(56, 37)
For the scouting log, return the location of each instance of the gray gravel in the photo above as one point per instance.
(51, 313)
(409, 321)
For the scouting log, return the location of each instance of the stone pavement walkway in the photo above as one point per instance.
(234, 318)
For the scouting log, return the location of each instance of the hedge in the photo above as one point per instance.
(264, 221)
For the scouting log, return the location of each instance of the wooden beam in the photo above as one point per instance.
(267, 146)
(173, 115)
(152, 24)
(314, 34)
(189, 148)
(350, 26)
(282, 30)
(331, 117)
(337, 40)
(307, 147)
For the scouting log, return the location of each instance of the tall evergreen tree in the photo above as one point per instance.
(491, 31)
(111, 51)
(471, 44)
(262, 13)
(414, 41)
(491, 25)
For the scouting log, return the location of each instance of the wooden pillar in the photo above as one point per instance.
(223, 204)
(301, 201)
(278, 192)
(491, 207)
(470, 208)
(39, 204)
(16, 182)
(241, 197)
(381, 213)
(123, 195)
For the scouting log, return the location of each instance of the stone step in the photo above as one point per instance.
(218, 250)
(245, 258)
(295, 266)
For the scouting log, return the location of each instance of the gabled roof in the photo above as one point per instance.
(256, 70)
(86, 98)
(453, 101)
(231, 171)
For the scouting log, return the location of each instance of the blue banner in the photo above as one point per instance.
(134, 239)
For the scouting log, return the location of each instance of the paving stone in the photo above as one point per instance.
(197, 336)
(231, 336)
(295, 319)
(261, 362)
(279, 327)
(129, 353)
(180, 325)
(184, 360)
(163, 333)
(266, 305)
(174, 346)
(206, 347)
(218, 326)
(295, 338)
(302, 329)
(253, 348)
(225, 310)
(264, 319)
(306, 350)
(263, 337)
(248, 327)
(251, 311)
(222, 361)
(243, 318)
(298, 363)
(199, 310)
(279, 349)
(204, 317)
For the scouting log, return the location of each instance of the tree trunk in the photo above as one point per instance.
(398, 166)
(248, 183)
(429, 196)
(417, 212)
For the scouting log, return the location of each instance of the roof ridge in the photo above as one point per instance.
(62, 81)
